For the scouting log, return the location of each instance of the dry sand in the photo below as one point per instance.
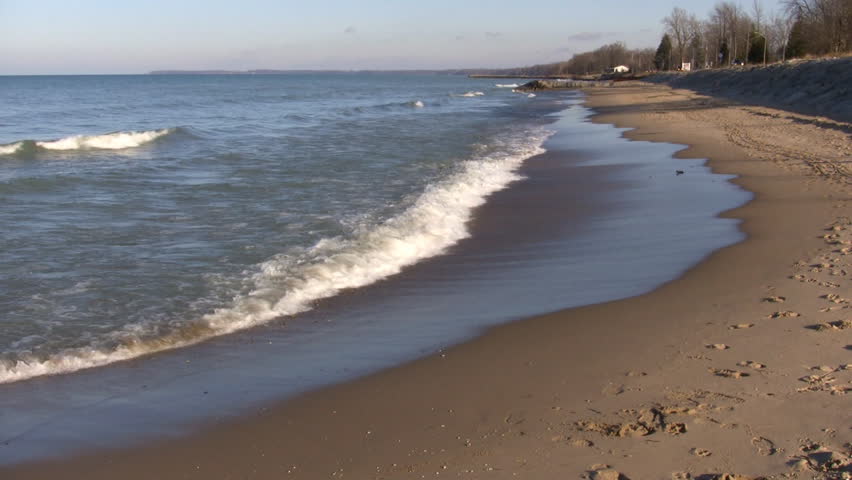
(739, 367)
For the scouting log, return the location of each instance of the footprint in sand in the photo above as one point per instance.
(785, 314)
(826, 368)
(750, 364)
(581, 443)
(718, 346)
(824, 382)
(775, 299)
(701, 452)
(606, 474)
(834, 298)
(764, 446)
(675, 428)
(833, 326)
(728, 373)
(741, 326)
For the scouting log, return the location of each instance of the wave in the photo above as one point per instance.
(286, 285)
(470, 94)
(507, 85)
(11, 148)
(108, 141)
(383, 107)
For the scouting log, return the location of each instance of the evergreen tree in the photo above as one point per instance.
(724, 53)
(797, 45)
(662, 59)
(756, 45)
(696, 50)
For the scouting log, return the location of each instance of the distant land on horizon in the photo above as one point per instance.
(537, 71)
(297, 71)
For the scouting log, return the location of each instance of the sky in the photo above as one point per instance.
(127, 37)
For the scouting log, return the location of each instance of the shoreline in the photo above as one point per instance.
(522, 399)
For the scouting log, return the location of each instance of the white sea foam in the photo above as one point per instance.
(283, 286)
(507, 85)
(10, 148)
(108, 141)
(472, 94)
(532, 95)
(418, 104)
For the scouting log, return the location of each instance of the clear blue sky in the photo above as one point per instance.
(117, 36)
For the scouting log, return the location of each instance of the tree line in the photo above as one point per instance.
(730, 34)
(596, 61)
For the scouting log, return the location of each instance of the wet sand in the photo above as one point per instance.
(739, 366)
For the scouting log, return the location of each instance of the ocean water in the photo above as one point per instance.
(145, 213)
(216, 243)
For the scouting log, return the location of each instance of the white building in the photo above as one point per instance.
(621, 69)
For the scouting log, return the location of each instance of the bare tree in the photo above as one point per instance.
(739, 29)
(782, 24)
(828, 23)
(757, 10)
(719, 30)
(727, 16)
(677, 24)
(712, 41)
(695, 37)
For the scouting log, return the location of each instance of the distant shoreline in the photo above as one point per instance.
(296, 72)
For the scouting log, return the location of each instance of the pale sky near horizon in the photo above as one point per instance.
(97, 36)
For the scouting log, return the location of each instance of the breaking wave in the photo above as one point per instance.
(471, 94)
(286, 285)
(11, 148)
(108, 141)
(507, 85)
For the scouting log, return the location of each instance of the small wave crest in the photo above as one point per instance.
(108, 141)
(507, 85)
(471, 94)
(286, 285)
(11, 148)
(384, 107)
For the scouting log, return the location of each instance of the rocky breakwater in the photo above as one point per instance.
(536, 85)
(813, 87)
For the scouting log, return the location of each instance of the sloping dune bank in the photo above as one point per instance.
(813, 87)
(739, 367)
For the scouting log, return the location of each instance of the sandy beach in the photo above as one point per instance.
(742, 366)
